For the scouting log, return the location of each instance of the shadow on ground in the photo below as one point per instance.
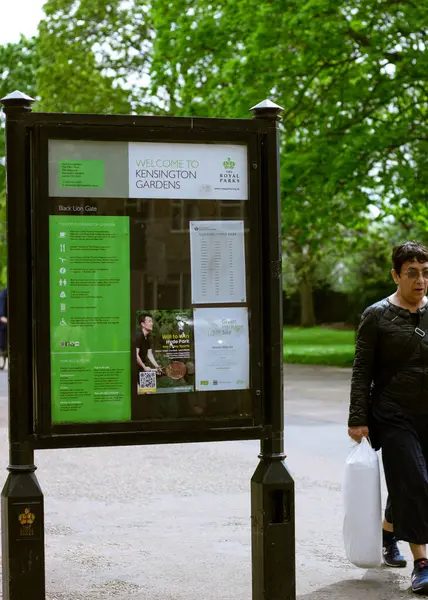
(376, 584)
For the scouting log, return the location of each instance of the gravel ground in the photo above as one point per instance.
(173, 522)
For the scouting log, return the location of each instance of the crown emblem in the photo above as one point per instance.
(27, 517)
(229, 163)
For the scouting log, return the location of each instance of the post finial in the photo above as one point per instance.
(17, 102)
(266, 110)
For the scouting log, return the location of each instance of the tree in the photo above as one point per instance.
(365, 274)
(18, 64)
(351, 77)
(88, 53)
(350, 74)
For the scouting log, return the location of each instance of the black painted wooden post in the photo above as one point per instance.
(272, 487)
(22, 513)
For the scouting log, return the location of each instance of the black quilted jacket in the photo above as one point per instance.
(384, 331)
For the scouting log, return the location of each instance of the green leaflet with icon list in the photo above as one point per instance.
(90, 325)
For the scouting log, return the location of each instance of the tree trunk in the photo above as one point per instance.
(307, 312)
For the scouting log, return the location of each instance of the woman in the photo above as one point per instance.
(398, 409)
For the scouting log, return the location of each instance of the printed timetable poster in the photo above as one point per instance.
(217, 250)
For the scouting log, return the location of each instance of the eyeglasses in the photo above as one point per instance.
(414, 273)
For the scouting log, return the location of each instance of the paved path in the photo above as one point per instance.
(173, 522)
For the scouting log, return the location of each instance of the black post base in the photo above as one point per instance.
(22, 520)
(273, 532)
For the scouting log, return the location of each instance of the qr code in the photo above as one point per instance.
(148, 381)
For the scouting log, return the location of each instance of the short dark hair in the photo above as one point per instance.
(409, 251)
(143, 316)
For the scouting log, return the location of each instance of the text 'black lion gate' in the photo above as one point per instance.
(144, 307)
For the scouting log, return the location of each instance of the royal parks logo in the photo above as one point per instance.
(26, 520)
(229, 164)
(229, 174)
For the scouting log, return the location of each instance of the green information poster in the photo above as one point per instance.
(81, 174)
(90, 319)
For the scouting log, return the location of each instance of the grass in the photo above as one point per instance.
(319, 346)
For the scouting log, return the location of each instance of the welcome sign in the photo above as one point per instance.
(184, 171)
(188, 171)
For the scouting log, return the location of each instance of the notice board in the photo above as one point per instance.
(148, 270)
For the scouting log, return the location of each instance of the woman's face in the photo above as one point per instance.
(412, 280)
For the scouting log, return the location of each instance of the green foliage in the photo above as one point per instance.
(18, 64)
(365, 272)
(90, 51)
(318, 346)
(350, 74)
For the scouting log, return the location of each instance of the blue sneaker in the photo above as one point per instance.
(420, 577)
(392, 557)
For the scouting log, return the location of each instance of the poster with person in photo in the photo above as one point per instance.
(165, 351)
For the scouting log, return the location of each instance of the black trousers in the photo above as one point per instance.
(405, 459)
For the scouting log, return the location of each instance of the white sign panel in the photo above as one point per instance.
(188, 171)
(217, 251)
(222, 352)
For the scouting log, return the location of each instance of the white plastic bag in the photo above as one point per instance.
(362, 524)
